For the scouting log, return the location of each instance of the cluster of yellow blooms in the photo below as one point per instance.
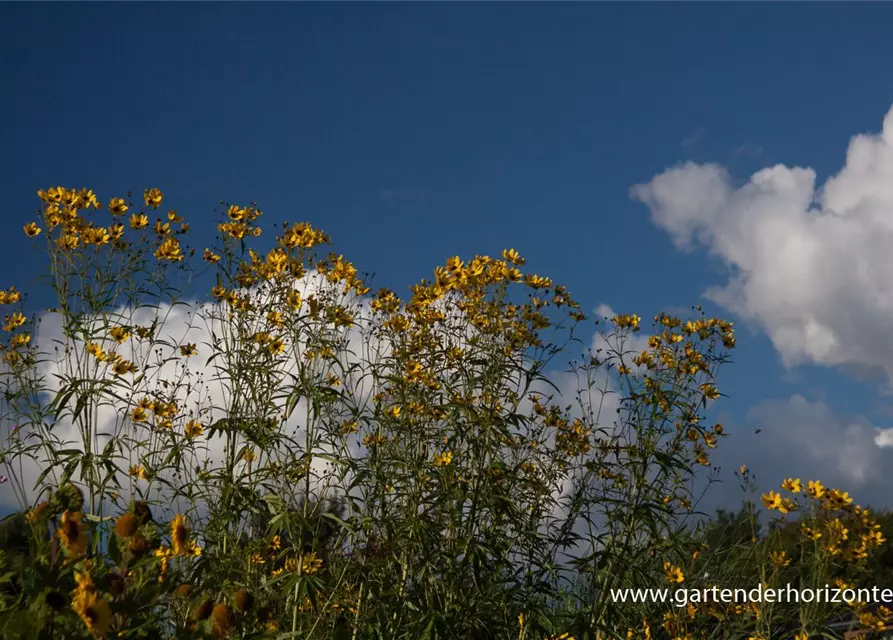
(454, 326)
(62, 211)
(834, 536)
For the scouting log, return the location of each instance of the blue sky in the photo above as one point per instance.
(412, 132)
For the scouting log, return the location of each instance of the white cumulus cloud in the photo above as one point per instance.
(812, 265)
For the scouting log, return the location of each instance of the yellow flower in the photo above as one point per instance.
(772, 501)
(95, 350)
(20, 340)
(139, 471)
(673, 573)
(169, 250)
(139, 221)
(394, 411)
(31, 230)
(248, 455)
(443, 459)
(117, 206)
(95, 235)
(119, 334)
(275, 347)
(14, 321)
(275, 318)
(513, 256)
(792, 485)
(153, 198)
(815, 489)
(123, 367)
(138, 414)
(710, 391)
(294, 300)
(277, 261)
(780, 558)
(624, 321)
(68, 242)
(311, 563)
(193, 429)
(210, 256)
(162, 228)
(188, 350)
(349, 426)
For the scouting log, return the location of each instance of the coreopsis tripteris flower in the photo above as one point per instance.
(119, 334)
(138, 414)
(815, 489)
(276, 262)
(117, 206)
(513, 256)
(772, 500)
(294, 300)
(85, 199)
(235, 230)
(31, 229)
(193, 429)
(153, 198)
(188, 350)
(443, 459)
(14, 321)
(20, 340)
(139, 221)
(275, 347)
(236, 213)
(779, 558)
(169, 250)
(95, 350)
(139, 471)
(537, 282)
(275, 318)
(673, 573)
(95, 235)
(837, 530)
(311, 563)
(52, 195)
(210, 257)
(792, 485)
(122, 367)
(710, 391)
(836, 499)
(349, 426)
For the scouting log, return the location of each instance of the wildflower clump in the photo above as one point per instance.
(286, 452)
